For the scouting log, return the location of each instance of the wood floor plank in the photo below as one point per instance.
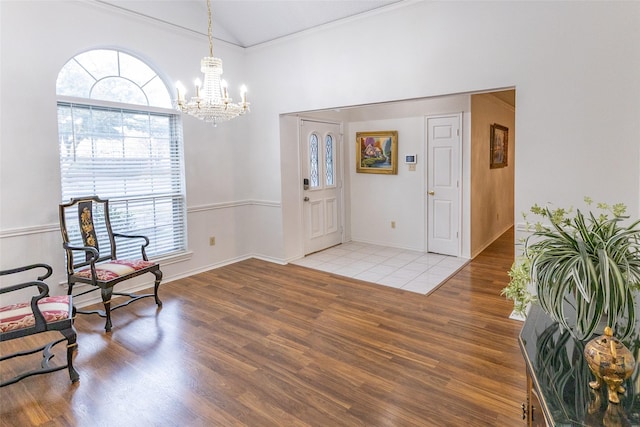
(261, 344)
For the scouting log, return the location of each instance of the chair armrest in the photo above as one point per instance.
(30, 267)
(144, 245)
(42, 287)
(131, 236)
(44, 291)
(94, 252)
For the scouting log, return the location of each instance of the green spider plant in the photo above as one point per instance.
(585, 267)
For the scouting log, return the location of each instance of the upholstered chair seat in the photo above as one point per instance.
(19, 316)
(40, 313)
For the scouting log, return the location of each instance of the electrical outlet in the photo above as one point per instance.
(393, 224)
(212, 241)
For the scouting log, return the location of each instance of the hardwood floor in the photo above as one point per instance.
(261, 344)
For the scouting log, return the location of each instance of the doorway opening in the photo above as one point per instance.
(390, 210)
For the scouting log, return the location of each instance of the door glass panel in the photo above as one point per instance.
(314, 177)
(329, 160)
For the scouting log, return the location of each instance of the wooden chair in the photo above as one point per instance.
(42, 313)
(92, 238)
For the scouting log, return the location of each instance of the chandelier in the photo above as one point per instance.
(211, 102)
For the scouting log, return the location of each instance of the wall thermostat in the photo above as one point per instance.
(411, 159)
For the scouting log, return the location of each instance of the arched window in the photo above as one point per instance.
(328, 161)
(314, 174)
(121, 139)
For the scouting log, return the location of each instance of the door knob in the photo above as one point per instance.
(306, 199)
(431, 193)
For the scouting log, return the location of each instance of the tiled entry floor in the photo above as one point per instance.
(400, 268)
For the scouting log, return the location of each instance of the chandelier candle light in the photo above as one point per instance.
(211, 103)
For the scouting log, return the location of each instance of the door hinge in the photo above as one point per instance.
(458, 132)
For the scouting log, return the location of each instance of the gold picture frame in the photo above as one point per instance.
(377, 152)
(499, 144)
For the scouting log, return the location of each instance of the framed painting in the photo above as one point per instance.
(377, 152)
(499, 144)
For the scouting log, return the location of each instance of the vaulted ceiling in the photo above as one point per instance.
(248, 23)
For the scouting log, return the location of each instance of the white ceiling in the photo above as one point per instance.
(247, 23)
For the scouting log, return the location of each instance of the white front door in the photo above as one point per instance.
(443, 185)
(322, 202)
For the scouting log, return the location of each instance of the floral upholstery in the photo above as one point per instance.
(20, 316)
(114, 269)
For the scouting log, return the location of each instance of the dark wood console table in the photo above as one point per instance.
(558, 392)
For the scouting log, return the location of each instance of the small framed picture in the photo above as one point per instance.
(499, 144)
(377, 152)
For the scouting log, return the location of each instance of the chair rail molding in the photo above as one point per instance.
(233, 204)
(24, 231)
(55, 227)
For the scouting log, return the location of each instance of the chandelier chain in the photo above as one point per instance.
(209, 30)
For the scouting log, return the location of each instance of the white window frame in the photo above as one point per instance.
(160, 213)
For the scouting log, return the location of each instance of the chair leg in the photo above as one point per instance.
(106, 300)
(71, 336)
(158, 275)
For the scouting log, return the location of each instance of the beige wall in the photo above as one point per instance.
(492, 190)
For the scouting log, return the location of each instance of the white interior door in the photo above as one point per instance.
(322, 195)
(443, 185)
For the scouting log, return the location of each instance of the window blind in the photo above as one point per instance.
(134, 158)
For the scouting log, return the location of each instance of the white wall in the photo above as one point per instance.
(376, 200)
(37, 39)
(575, 66)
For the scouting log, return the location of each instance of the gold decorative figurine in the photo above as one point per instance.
(610, 361)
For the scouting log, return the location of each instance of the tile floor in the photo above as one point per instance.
(400, 268)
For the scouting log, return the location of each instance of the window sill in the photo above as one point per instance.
(173, 258)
